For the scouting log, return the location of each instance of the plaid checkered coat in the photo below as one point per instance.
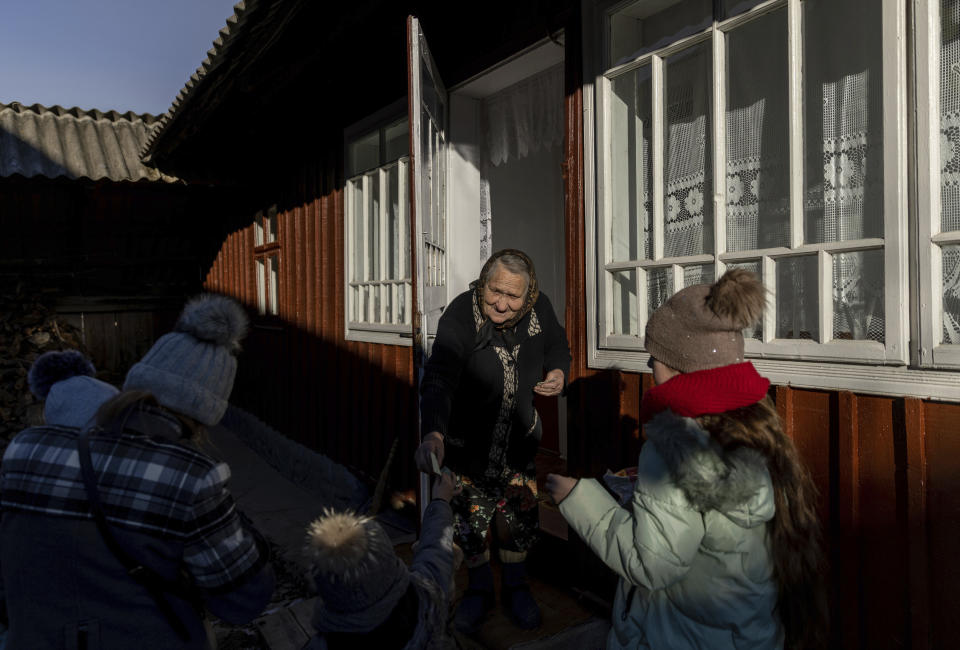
(168, 505)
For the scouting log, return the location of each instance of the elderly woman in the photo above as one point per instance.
(497, 345)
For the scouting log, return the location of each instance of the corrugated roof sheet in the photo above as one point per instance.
(58, 142)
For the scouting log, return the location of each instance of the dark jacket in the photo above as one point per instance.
(463, 387)
(167, 504)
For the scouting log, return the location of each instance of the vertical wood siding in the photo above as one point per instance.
(345, 399)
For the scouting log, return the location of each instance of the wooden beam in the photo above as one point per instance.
(916, 442)
(846, 565)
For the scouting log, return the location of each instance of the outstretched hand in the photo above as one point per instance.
(432, 443)
(551, 385)
(445, 486)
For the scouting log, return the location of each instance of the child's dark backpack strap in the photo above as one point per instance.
(154, 583)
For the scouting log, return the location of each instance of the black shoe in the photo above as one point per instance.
(477, 600)
(516, 597)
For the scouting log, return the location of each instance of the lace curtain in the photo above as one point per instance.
(843, 186)
(524, 117)
(688, 210)
(516, 122)
(950, 164)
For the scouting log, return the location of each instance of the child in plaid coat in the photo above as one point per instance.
(165, 502)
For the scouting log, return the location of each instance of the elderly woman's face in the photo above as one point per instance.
(503, 294)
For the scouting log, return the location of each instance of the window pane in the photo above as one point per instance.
(631, 174)
(393, 223)
(397, 140)
(697, 274)
(755, 332)
(951, 295)
(950, 116)
(757, 120)
(625, 303)
(258, 229)
(363, 153)
(644, 26)
(798, 298)
(372, 248)
(261, 287)
(733, 8)
(688, 215)
(404, 204)
(843, 139)
(858, 296)
(271, 225)
(659, 288)
(358, 202)
(274, 283)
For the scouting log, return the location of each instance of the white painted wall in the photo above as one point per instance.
(526, 196)
(463, 208)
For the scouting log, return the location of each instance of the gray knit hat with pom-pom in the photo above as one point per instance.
(65, 381)
(701, 327)
(191, 369)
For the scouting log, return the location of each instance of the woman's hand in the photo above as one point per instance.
(558, 487)
(551, 385)
(432, 443)
(445, 486)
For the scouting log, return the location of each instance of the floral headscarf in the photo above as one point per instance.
(533, 291)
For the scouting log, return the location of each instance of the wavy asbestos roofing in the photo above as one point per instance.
(72, 143)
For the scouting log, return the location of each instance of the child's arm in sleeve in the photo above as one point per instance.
(434, 557)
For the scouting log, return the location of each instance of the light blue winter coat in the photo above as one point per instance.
(692, 550)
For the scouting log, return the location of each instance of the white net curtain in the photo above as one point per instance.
(843, 190)
(950, 164)
(516, 122)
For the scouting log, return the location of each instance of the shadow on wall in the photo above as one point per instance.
(345, 400)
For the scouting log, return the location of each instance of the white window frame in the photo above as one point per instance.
(932, 352)
(365, 330)
(266, 260)
(851, 365)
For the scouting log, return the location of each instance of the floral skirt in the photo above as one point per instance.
(515, 496)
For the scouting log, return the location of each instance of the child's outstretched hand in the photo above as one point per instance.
(445, 486)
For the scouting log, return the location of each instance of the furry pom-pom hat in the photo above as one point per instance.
(701, 327)
(66, 381)
(54, 366)
(191, 370)
(357, 574)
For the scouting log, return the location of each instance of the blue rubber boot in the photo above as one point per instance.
(516, 597)
(477, 600)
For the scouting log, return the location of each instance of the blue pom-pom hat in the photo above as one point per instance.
(65, 380)
(191, 370)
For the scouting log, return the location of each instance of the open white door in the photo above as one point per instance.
(427, 112)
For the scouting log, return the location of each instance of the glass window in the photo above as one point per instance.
(754, 135)
(376, 192)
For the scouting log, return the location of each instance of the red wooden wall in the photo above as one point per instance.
(342, 398)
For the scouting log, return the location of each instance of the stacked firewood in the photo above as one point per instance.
(28, 328)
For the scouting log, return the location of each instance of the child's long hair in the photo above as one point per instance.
(795, 529)
(117, 410)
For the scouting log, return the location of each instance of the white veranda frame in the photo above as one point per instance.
(633, 277)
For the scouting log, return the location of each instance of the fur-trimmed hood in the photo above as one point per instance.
(735, 482)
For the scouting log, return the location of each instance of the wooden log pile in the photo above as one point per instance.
(28, 328)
